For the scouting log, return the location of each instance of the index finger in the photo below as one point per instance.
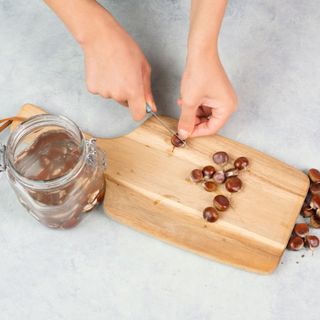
(211, 126)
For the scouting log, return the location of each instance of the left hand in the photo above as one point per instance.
(207, 97)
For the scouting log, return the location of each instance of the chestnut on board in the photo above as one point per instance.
(221, 202)
(241, 163)
(233, 184)
(177, 142)
(210, 214)
(221, 158)
(208, 172)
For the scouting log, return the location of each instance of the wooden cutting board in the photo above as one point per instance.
(148, 189)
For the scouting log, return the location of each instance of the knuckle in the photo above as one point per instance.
(91, 88)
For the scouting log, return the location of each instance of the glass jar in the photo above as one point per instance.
(55, 172)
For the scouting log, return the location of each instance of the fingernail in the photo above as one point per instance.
(183, 134)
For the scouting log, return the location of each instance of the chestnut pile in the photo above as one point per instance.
(311, 210)
(211, 178)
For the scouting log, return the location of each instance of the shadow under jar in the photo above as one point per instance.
(55, 172)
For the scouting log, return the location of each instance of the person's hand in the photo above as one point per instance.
(207, 98)
(116, 67)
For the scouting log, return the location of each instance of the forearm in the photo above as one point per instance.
(82, 17)
(205, 21)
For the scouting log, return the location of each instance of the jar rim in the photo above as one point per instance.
(39, 121)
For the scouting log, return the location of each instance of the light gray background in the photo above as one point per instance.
(103, 270)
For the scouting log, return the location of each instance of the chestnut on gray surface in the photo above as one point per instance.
(314, 175)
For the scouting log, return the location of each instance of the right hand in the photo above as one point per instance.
(115, 66)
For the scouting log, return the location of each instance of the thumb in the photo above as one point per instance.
(187, 121)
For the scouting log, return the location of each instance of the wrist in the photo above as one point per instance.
(90, 22)
(202, 51)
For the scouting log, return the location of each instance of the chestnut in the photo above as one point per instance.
(307, 211)
(241, 163)
(233, 172)
(208, 172)
(315, 221)
(314, 175)
(221, 202)
(221, 158)
(301, 229)
(233, 184)
(209, 186)
(196, 175)
(177, 142)
(219, 177)
(311, 242)
(210, 214)
(315, 188)
(295, 243)
(315, 202)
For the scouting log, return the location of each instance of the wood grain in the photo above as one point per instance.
(148, 189)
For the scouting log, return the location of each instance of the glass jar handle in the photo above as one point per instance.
(91, 152)
(2, 157)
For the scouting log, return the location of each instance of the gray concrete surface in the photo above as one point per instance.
(103, 270)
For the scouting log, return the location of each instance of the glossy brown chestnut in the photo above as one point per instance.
(315, 188)
(315, 221)
(311, 242)
(208, 172)
(210, 214)
(301, 229)
(221, 158)
(219, 177)
(177, 142)
(314, 175)
(307, 211)
(221, 202)
(233, 172)
(241, 163)
(209, 186)
(196, 175)
(295, 243)
(233, 184)
(315, 202)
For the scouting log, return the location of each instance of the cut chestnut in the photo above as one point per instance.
(221, 202)
(241, 163)
(315, 202)
(233, 172)
(221, 158)
(301, 229)
(177, 142)
(315, 221)
(210, 214)
(315, 188)
(311, 242)
(196, 175)
(307, 211)
(314, 175)
(219, 177)
(295, 243)
(209, 186)
(233, 184)
(208, 172)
